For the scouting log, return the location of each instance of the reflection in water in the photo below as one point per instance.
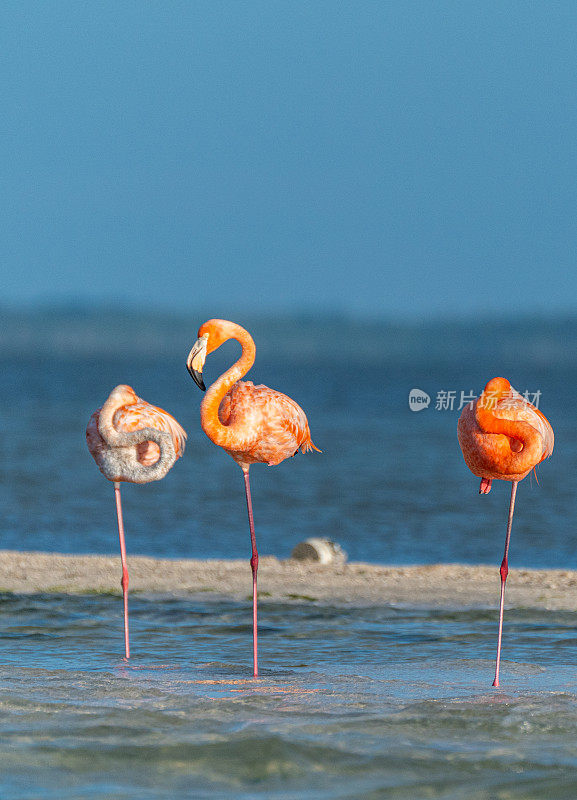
(389, 700)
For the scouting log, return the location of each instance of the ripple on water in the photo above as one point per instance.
(366, 702)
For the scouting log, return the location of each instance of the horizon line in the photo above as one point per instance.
(90, 307)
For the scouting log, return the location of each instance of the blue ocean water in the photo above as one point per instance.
(379, 702)
(390, 486)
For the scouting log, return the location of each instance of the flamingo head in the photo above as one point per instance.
(210, 337)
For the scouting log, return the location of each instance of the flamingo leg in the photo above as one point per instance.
(504, 572)
(254, 567)
(124, 581)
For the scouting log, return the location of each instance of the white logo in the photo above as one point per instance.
(418, 400)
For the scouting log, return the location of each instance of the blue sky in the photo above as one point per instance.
(378, 158)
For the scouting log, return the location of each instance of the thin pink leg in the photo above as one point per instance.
(124, 581)
(254, 567)
(485, 486)
(504, 572)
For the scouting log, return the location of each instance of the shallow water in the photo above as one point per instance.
(351, 703)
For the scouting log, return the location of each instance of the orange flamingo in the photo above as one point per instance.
(503, 436)
(253, 424)
(133, 441)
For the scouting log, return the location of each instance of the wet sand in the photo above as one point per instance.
(434, 586)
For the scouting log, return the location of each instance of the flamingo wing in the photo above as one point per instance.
(274, 426)
(144, 415)
(516, 407)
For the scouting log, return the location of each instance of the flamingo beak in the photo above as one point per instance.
(196, 359)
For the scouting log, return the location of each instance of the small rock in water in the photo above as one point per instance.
(322, 550)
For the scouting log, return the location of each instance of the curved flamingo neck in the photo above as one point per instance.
(120, 396)
(228, 436)
(530, 452)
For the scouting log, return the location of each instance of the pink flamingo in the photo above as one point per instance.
(503, 436)
(132, 441)
(253, 424)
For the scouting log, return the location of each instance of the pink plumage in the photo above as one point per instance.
(275, 426)
(126, 413)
